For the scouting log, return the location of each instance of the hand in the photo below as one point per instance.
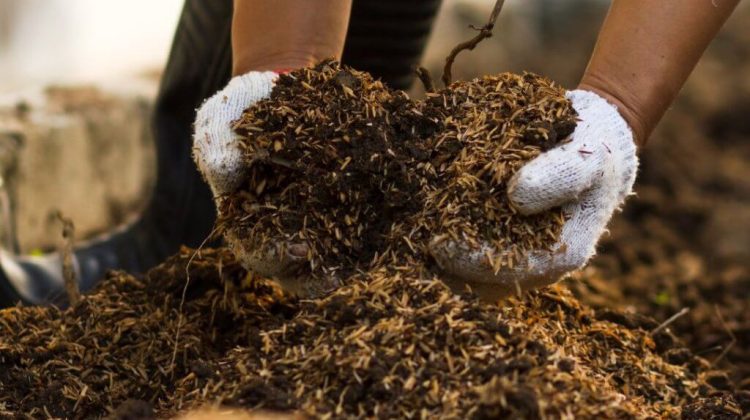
(219, 159)
(590, 177)
(215, 144)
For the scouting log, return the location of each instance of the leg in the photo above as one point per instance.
(199, 65)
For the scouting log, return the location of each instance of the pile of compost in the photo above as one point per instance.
(389, 344)
(394, 342)
(364, 176)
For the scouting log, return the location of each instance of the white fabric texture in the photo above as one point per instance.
(282, 261)
(590, 176)
(216, 152)
(214, 142)
(219, 159)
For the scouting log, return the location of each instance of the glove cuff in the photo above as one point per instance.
(253, 84)
(597, 112)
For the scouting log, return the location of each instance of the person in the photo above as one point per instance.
(226, 56)
(644, 54)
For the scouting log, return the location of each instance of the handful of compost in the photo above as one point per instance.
(325, 172)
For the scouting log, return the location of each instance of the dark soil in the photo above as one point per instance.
(397, 343)
(386, 345)
(365, 176)
(683, 241)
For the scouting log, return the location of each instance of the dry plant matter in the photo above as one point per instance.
(392, 342)
(387, 345)
(68, 269)
(365, 176)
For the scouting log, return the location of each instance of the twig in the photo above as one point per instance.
(729, 332)
(426, 78)
(484, 33)
(670, 320)
(708, 350)
(68, 269)
(182, 299)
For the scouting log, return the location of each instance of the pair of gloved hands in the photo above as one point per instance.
(590, 176)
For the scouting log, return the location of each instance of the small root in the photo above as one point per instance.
(180, 315)
(68, 269)
(484, 33)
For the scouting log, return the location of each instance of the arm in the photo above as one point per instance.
(287, 34)
(267, 36)
(645, 52)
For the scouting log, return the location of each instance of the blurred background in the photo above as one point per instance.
(82, 41)
(77, 79)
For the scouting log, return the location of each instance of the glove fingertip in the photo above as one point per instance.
(552, 179)
(529, 193)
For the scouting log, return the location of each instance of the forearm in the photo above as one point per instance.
(645, 52)
(286, 34)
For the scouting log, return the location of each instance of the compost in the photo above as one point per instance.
(378, 175)
(392, 343)
(364, 176)
(393, 340)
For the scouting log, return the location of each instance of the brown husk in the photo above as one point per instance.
(366, 177)
(387, 345)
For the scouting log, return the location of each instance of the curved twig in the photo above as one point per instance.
(426, 78)
(484, 33)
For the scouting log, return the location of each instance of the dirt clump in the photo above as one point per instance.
(364, 176)
(389, 344)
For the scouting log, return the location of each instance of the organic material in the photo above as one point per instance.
(364, 176)
(387, 345)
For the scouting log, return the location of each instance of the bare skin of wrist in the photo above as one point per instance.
(645, 52)
(287, 34)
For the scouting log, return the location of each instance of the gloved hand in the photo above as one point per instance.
(590, 177)
(219, 159)
(215, 144)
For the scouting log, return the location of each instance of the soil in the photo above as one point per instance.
(386, 345)
(602, 351)
(365, 176)
(683, 241)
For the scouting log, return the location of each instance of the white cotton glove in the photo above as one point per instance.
(590, 177)
(219, 159)
(215, 144)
